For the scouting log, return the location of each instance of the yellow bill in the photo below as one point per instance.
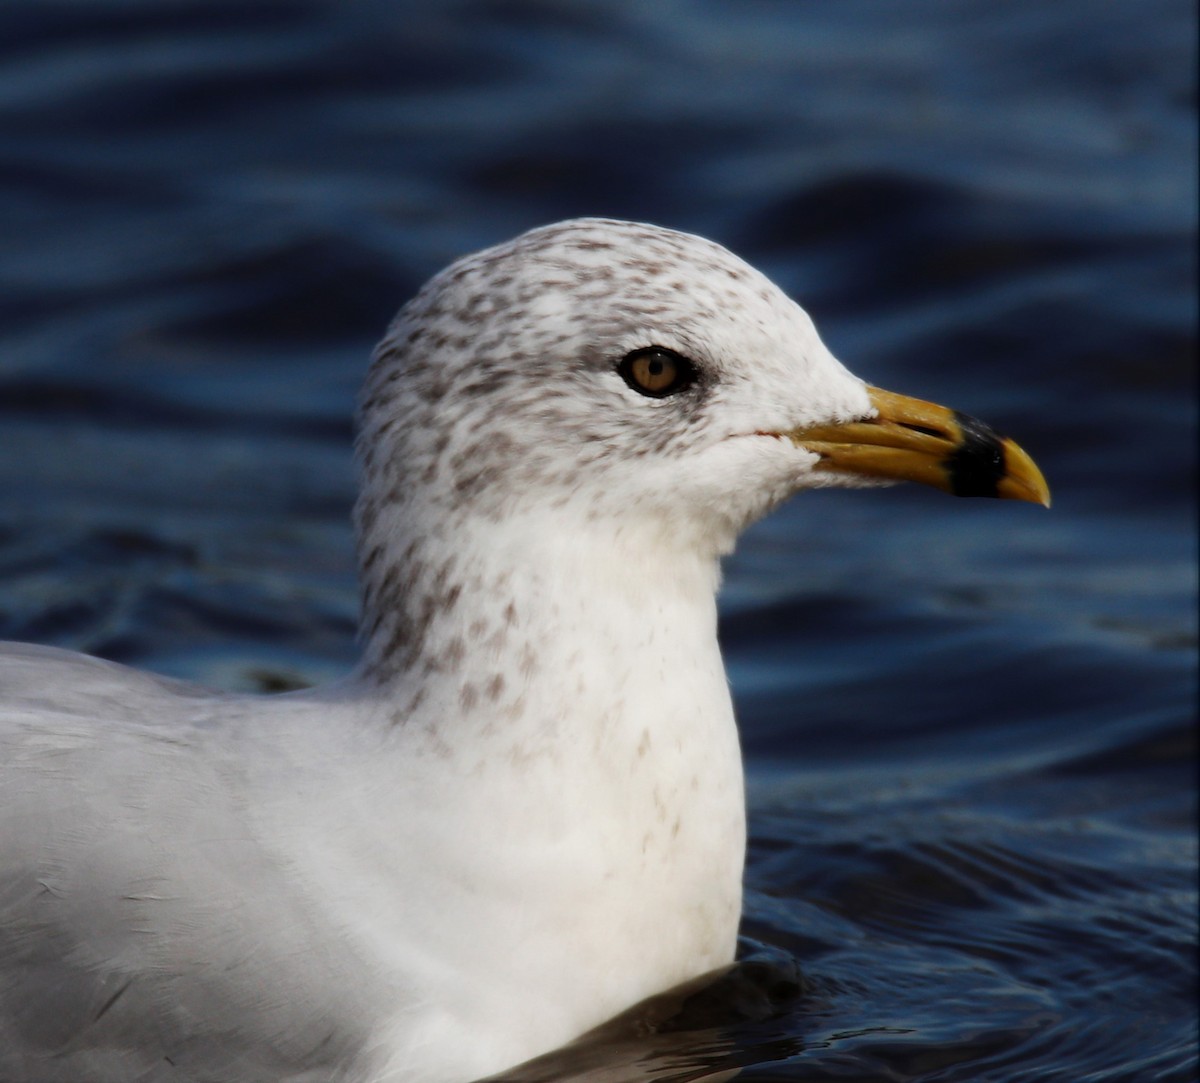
(911, 440)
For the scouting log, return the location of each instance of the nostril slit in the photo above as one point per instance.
(922, 429)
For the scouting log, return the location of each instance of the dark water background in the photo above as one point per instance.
(968, 725)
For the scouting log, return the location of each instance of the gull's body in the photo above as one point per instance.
(523, 812)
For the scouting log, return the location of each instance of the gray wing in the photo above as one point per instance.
(131, 889)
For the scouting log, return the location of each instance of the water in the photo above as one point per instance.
(968, 726)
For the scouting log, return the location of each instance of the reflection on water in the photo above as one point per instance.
(968, 727)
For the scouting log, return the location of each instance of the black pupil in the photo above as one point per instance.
(656, 371)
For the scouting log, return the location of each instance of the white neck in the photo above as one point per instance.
(573, 697)
(472, 596)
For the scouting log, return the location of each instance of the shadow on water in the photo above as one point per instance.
(705, 1029)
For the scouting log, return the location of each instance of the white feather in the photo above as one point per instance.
(524, 811)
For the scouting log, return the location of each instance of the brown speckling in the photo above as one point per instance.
(527, 662)
(453, 654)
(437, 744)
(496, 389)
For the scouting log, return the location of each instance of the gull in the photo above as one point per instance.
(523, 810)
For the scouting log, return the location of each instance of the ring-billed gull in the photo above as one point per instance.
(523, 811)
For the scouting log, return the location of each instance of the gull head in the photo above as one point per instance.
(605, 371)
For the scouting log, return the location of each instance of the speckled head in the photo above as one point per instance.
(638, 387)
(498, 387)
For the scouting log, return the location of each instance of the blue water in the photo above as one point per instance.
(968, 726)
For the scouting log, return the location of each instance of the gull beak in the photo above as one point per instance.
(911, 440)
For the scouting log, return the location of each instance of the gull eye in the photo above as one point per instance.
(657, 372)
